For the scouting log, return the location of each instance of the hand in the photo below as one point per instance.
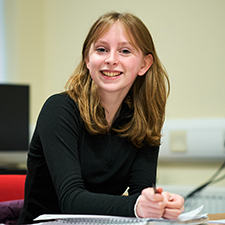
(174, 205)
(150, 205)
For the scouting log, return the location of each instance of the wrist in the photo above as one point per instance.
(135, 207)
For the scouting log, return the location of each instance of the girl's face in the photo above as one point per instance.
(114, 63)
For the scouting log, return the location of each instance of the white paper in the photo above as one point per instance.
(184, 216)
(191, 214)
(66, 216)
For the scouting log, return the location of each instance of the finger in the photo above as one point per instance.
(174, 204)
(144, 202)
(149, 211)
(150, 195)
(159, 190)
(171, 214)
(154, 214)
(182, 209)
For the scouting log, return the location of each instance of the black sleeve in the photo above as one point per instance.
(144, 168)
(59, 126)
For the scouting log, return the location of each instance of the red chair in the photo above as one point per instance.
(11, 187)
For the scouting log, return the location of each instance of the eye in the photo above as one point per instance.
(125, 51)
(101, 49)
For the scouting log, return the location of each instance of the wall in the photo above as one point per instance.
(25, 53)
(44, 39)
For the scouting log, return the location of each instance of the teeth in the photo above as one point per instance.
(111, 74)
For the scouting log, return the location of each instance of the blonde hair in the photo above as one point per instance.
(147, 97)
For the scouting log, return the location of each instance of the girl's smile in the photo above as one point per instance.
(111, 73)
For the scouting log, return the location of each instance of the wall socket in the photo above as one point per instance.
(193, 139)
(178, 141)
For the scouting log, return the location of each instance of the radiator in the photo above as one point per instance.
(213, 198)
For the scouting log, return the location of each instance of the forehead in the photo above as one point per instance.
(120, 26)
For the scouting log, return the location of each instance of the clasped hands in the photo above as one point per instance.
(159, 205)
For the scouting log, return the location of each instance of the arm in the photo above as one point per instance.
(149, 204)
(59, 128)
(143, 175)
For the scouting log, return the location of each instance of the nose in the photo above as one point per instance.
(112, 59)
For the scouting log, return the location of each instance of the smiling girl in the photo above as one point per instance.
(102, 135)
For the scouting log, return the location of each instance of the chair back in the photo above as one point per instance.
(12, 187)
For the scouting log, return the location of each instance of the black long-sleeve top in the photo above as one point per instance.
(72, 171)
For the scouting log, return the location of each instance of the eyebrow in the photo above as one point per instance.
(105, 42)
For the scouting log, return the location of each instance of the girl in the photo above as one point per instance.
(103, 134)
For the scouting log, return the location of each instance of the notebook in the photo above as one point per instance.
(191, 217)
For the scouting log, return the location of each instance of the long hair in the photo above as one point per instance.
(147, 96)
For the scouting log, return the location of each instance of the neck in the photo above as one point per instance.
(111, 103)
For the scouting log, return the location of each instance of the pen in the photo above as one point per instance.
(155, 190)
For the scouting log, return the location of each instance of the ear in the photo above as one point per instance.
(146, 64)
(86, 58)
(87, 62)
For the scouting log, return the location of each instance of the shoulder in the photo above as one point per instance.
(59, 112)
(61, 98)
(60, 104)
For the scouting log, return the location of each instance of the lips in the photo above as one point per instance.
(111, 73)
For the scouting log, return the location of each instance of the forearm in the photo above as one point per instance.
(94, 203)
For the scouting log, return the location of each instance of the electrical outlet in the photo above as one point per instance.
(193, 139)
(178, 141)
